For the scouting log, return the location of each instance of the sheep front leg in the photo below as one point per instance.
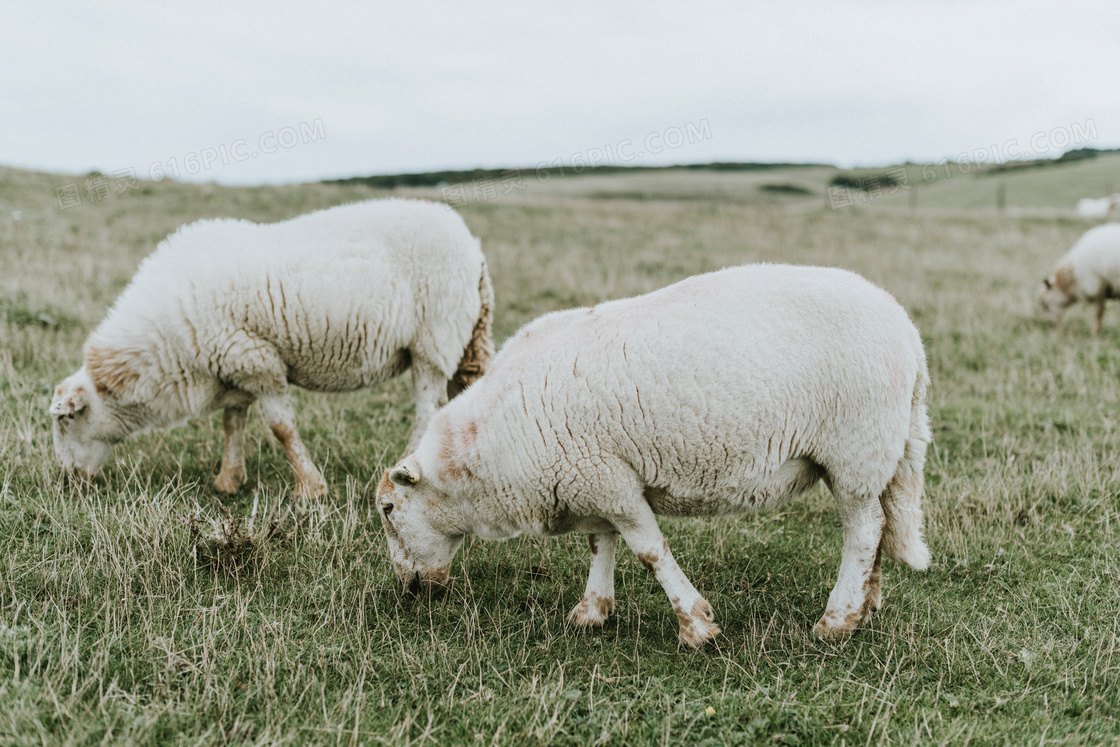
(598, 597)
(694, 614)
(1098, 317)
(858, 586)
(281, 419)
(232, 475)
(431, 394)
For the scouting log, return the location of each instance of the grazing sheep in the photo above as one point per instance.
(227, 312)
(725, 393)
(1090, 271)
(1089, 207)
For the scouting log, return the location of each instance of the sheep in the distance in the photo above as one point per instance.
(1089, 271)
(725, 393)
(1093, 207)
(225, 313)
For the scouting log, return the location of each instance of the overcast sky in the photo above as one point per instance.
(403, 87)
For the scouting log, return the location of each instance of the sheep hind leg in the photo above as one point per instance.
(431, 394)
(281, 418)
(598, 598)
(874, 600)
(1098, 316)
(858, 583)
(232, 475)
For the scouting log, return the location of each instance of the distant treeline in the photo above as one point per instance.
(1070, 156)
(438, 178)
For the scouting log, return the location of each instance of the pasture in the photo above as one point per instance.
(144, 608)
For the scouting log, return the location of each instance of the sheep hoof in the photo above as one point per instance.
(697, 626)
(832, 627)
(699, 633)
(591, 612)
(874, 602)
(311, 490)
(229, 480)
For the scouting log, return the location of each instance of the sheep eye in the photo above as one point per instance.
(387, 509)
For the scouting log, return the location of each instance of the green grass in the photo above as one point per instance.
(121, 620)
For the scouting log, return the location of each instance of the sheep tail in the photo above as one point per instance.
(480, 348)
(902, 500)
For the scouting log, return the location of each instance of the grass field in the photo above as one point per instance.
(121, 622)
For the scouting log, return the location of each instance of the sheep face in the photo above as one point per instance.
(420, 527)
(84, 430)
(1053, 299)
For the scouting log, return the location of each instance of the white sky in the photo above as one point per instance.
(422, 86)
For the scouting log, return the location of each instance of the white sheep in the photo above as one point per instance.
(1089, 207)
(225, 313)
(1089, 271)
(725, 393)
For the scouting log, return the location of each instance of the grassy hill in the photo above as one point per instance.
(1054, 184)
(121, 622)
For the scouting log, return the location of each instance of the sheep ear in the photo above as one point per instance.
(1048, 283)
(69, 401)
(403, 475)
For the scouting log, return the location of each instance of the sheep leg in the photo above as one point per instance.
(598, 597)
(859, 585)
(232, 475)
(281, 418)
(875, 582)
(431, 394)
(694, 614)
(1099, 316)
